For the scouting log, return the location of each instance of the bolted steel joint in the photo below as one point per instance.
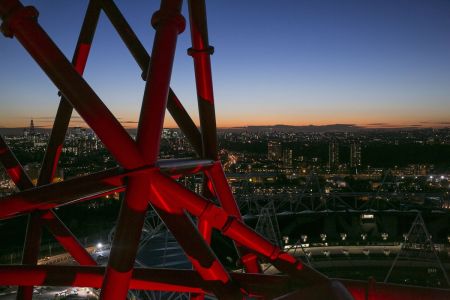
(168, 18)
(209, 50)
(16, 16)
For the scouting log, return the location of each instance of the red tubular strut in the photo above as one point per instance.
(142, 58)
(50, 163)
(168, 23)
(21, 22)
(34, 230)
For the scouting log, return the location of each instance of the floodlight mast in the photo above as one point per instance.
(143, 178)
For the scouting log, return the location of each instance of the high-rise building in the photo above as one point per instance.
(287, 158)
(355, 155)
(333, 155)
(30, 131)
(274, 151)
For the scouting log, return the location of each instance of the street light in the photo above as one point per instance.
(304, 237)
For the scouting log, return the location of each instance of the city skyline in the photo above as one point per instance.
(368, 64)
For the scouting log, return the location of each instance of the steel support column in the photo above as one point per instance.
(217, 177)
(64, 111)
(168, 23)
(30, 250)
(142, 58)
(50, 163)
(200, 52)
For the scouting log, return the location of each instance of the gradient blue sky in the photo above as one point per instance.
(298, 62)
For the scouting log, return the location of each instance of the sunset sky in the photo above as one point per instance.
(370, 63)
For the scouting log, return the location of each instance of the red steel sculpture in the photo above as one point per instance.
(146, 180)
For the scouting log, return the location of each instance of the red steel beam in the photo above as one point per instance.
(222, 189)
(21, 22)
(34, 224)
(50, 163)
(30, 252)
(63, 235)
(184, 122)
(233, 228)
(168, 23)
(126, 239)
(196, 249)
(148, 139)
(88, 187)
(13, 167)
(143, 279)
(34, 227)
(171, 280)
(62, 193)
(200, 52)
(189, 281)
(64, 111)
(142, 58)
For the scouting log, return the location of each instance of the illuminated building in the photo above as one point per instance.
(333, 155)
(355, 155)
(287, 158)
(274, 151)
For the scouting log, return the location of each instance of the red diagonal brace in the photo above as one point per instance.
(34, 232)
(233, 228)
(21, 22)
(55, 225)
(217, 177)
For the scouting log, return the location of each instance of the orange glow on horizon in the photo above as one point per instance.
(170, 123)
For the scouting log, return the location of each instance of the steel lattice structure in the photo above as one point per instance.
(147, 180)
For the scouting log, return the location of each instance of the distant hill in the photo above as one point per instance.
(290, 128)
(318, 128)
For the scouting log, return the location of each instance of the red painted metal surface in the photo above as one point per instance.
(50, 163)
(147, 181)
